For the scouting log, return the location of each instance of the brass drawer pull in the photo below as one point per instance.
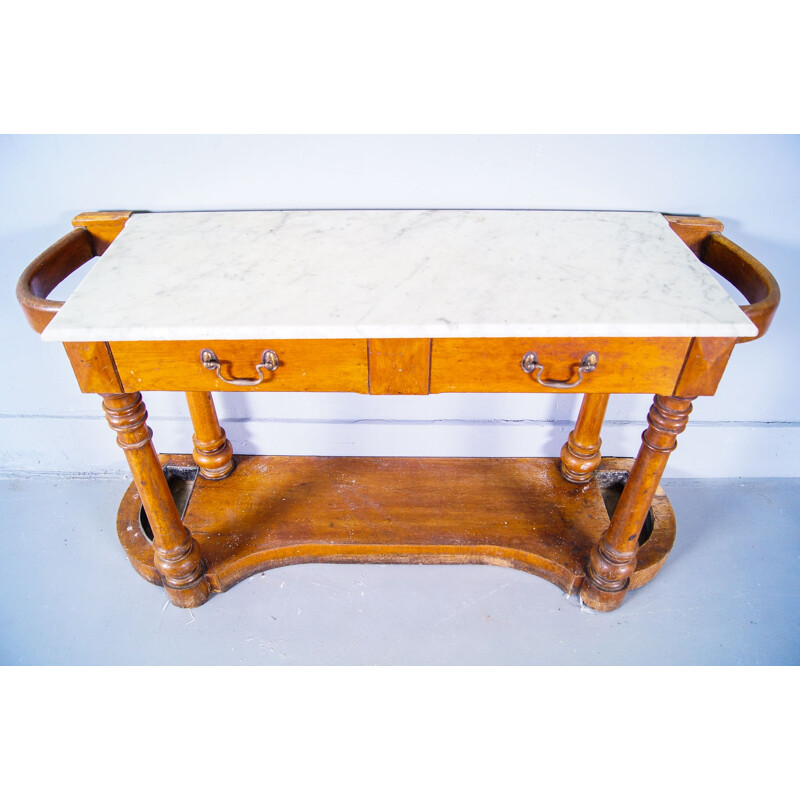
(269, 361)
(530, 364)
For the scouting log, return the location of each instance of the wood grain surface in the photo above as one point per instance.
(176, 556)
(212, 453)
(306, 365)
(276, 511)
(493, 365)
(94, 367)
(580, 455)
(46, 271)
(103, 227)
(399, 366)
(613, 558)
(693, 230)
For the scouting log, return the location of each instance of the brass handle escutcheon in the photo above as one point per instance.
(269, 362)
(530, 363)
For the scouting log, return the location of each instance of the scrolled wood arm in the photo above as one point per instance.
(48, 270)
(748, 275)
(703, 235)
(91, 237)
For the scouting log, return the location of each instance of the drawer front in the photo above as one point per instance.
(495, 365)
(304, 365)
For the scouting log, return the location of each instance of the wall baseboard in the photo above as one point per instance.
(83, 446)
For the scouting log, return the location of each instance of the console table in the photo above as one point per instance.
(398, 302)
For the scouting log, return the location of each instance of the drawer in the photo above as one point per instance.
(304, 365)
(624, 365)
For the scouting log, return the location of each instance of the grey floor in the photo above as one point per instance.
(727, 595)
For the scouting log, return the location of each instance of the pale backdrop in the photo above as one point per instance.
(751, 183)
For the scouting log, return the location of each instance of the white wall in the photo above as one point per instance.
(750, 428)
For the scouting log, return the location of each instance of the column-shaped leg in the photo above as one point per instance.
(177, 555)
(613, 559)
(580, 456)
(212, 450)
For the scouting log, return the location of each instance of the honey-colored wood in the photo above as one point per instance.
(399, 366)
(212, 452)
(613, 558)
(658, 533)
(176, 555)
(748, 275)
(46, 271)
(94, 367)
(91, 361)
(103, 227)
(704, 236)
(281, 510)
(493, 365)
(705, 363)
(693, 230)
(592, 536)
(580, 456)
(306, 365)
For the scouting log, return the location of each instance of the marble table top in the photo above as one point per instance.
(396, 274)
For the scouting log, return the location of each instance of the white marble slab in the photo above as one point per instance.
(356, 274)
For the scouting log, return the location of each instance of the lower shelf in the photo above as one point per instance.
(273, 511)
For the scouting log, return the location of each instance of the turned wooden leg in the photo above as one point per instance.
(613, 559)
(212, 450)
(580, 456)
(177, 555)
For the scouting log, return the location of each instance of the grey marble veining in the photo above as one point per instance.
(395, 274)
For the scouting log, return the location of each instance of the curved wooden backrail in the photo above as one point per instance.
(91, 237)
(47, 271)
(703, 236)
(748, 275)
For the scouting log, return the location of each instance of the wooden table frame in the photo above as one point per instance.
(605, 527)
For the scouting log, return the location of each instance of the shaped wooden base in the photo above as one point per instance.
(273, 511)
